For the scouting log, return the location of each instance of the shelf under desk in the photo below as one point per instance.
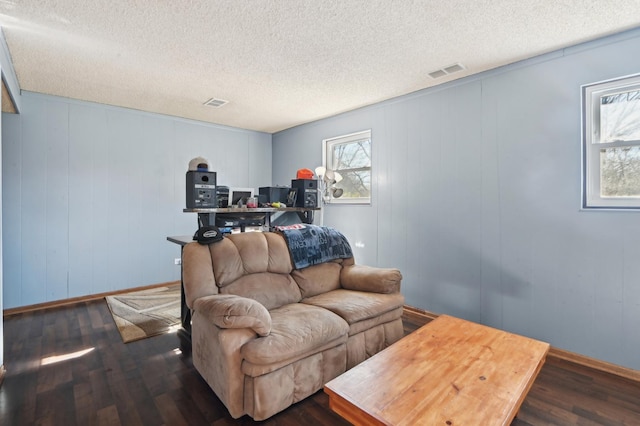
(207, 216)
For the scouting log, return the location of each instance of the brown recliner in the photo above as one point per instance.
(265, 335)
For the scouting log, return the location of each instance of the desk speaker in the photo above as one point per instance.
(201, 190)
(307, 192)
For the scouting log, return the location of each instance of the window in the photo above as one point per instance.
(611, 144)
(350, 157)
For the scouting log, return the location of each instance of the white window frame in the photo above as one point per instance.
(591, 145)
(327, 149)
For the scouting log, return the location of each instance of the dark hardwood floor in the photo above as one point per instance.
(103, 381)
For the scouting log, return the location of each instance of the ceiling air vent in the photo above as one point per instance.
(437, 74)
(216, 103)
(446, 70)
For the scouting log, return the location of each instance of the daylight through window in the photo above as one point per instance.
(611, 144)
(350, 156)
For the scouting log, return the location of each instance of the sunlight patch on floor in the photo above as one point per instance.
(60, 358)
(174, 328)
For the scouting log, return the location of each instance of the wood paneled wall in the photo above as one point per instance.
(476, 199)
(90, 193)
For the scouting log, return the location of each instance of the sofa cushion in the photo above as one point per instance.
(360, 326)
(249, 253)
(272, 290)
(296, 329)
(355, 306)
(255, 265)
(318, 279)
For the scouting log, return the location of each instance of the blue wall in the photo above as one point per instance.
(476, 199)
(90, 193)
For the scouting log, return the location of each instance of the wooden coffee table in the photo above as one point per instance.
(448, 372)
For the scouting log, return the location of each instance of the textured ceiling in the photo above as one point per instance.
(7, 102)
(281, 63)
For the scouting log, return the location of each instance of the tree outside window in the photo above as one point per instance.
(350, 156)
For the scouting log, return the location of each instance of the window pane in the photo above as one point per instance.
(620, 172)
(356, 184)
(352, 155)
(620, 116)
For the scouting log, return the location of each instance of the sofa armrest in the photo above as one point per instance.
(230, 311)
(371, 279)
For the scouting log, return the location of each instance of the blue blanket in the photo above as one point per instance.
(312, 245)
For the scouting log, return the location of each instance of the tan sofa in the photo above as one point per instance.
(265, 335)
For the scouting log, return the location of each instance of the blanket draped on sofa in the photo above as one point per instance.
(312, 245)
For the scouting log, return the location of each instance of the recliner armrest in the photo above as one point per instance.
(371, 279)
(230, 311)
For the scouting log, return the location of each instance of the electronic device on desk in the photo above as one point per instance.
(292, 197)
(222, 195)
(274, 194)
(201, 189)
(239, 196)
(307, 192)
(240, 220)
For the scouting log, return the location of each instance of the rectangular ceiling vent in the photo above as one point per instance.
(446, 71)
(216, 103)
(437, 74)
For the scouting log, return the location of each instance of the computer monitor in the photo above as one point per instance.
(239, 194)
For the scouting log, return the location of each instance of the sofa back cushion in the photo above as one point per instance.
(317, 279)
(271, 290)
(255, 265)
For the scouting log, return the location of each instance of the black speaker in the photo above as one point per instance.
(307, 192)
(201, 190)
